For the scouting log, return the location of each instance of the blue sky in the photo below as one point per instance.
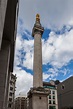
(57, 41)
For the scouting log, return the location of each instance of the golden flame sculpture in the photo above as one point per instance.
(37, 17)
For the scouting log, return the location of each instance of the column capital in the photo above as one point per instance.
(37, 29)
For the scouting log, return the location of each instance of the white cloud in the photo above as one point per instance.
(28, 62)
(45, 76)
(65, 71)
(57, 50)
(71, 22)
(53, 72)
(66, 78)
(18, 47)
(24, 49)
(24, 81)
(54, 13)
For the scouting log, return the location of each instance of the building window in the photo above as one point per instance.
(53, 92)
(49, 96)
(62, 87)
(9, 105)
(53, 102)
(53, 97)
(39, 97)
(52, 107)
(11, 83)
(10, 99)
(11, 88)
(10, 94)
(49, 101)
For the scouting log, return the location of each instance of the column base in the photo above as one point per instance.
(37, 98)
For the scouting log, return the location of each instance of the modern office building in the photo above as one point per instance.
(65, 94)
(20, 103)
(52, 97)
(8, 27)
(11, 95)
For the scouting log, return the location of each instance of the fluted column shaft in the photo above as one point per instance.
(37, 67)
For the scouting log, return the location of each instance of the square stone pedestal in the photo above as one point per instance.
(38, 98)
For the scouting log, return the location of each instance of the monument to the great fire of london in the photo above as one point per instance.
(38, 95)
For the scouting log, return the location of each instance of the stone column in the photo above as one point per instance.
(37, 64)
(38, 95)
(37, 67)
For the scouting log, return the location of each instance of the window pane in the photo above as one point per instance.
(53, 102)
(52, 107)
(62, 87)
(53, 97)
(49, 101)
(11, 88)
(10, 94)
(53, 92)
(10, 99)
(49, 96)
(9, 105)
